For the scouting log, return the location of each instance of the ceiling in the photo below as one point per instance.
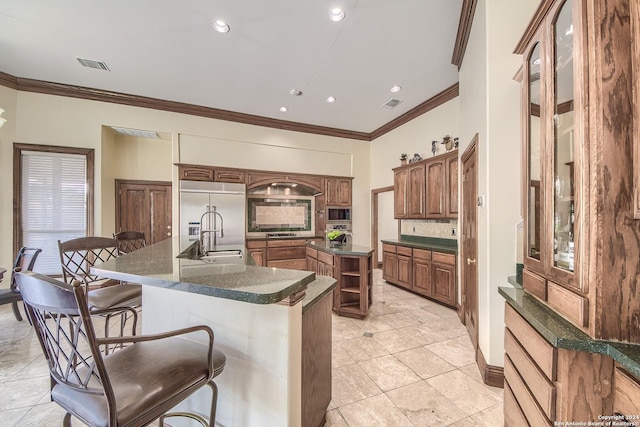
(168, 49)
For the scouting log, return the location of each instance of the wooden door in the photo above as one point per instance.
(144, 206)
(435, 189)
(469, 247)
(400, 193)
(416, 192)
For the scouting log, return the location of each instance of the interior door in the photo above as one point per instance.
(144, 206)
(469, 240)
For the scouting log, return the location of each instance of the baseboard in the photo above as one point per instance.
(491, 375)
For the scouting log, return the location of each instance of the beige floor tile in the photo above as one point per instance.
(388, 372)
(422, 315)
(334, 419)
(382, 307)
(399, 320)
(449, 327)
(363, 348)
(12, 417)
(424, 362)
(465, 392)
(473, 371)
(374, 324)
(350, 383)
(493, 416)
(374, 411)
(423, 405)
(395, 340)
(47, 415)
(423, 334)
(466, 422)
(20, 393)
(346, 330)
(453, 352)
(442, 311)
(339, 356)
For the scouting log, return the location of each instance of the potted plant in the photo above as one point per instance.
(336, 238)
(403, 159)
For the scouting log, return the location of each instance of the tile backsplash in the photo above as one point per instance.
(444, 229)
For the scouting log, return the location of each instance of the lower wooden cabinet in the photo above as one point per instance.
(428, 273)
(279, 253)
(257, 250)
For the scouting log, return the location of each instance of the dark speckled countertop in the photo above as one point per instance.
(448, 246)
(562, 334)
(236, 279)
(347, 249)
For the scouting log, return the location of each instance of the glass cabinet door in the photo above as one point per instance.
(563, 193)
(534, 160)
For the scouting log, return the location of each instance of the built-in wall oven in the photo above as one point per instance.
(338, 214)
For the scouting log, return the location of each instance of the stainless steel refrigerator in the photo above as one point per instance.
(198, 201)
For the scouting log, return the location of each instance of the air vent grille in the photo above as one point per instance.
(93, 64)
(136, 132)
(392, 103)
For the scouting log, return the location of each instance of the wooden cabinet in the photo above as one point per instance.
(257, 250)
(626, 395)
(228, 175)
(338, 191)
(435, 173)
(409, 191)
(427, 189)
(195, 173)
(578, 121)
(325, 264)
(431, 274)
(353, 294)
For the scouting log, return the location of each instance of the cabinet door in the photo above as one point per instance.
(258, 256)
(338, 192)
(435, 189)
(416, 192)
(195, 173)
(229, 175)
(422, 277)
(404, 271)
(444, 283)
(390, 267)
(400, 193)
(452, 186)
(344, 192)
(312, 264)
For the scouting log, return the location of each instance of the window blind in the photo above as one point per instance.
(54, 204)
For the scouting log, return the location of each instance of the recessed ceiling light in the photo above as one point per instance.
(331, 99)
(284, 109)
(396, 89)
(336, 14)
(296, 92)
(221, 26)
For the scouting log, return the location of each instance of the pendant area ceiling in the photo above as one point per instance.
(169, 50)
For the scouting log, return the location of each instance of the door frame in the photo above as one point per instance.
(470, 152)
(374, 220)
(118, 185)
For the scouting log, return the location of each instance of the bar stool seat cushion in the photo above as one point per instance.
(144, 375)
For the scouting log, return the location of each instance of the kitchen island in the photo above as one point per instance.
(257, 315)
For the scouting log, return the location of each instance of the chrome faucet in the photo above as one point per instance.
(214, 231)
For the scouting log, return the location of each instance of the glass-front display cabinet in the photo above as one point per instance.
(553, 84)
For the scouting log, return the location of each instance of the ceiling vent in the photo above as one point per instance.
(93, 64)
(392, 103)
(136, 132)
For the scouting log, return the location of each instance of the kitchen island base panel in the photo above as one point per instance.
(263, 357)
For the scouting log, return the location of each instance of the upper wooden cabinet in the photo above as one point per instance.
(427, 189)
(581, 241)
(195, 173)
(338, 192)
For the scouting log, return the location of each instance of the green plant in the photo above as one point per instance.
(334, 234)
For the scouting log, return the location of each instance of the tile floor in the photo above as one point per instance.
(409, 363)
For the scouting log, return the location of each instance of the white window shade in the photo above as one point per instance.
(54, 204)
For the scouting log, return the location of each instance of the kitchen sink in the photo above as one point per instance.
(223, 256)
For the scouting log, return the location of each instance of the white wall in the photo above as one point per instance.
(54, 120)
(490, 106)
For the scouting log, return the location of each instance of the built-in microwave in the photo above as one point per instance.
(338, 214)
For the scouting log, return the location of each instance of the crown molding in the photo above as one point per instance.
(60, 89)
(446, 95)
(464, 29)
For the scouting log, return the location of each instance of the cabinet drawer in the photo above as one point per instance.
(325, 257)
(284, 243)
(311, 252)
(253, 244)
(443, 258)
(286, 253)
(539, 349)
(403, 250)
(534, 284)
(291, 264)
(540, 386)
(513, 416)
(190, 173)
(388, 248)
(573, 306)
(530, 408)
(421, 254)
(229, 175)
(626, 400)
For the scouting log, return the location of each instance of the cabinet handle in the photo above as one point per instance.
(470, 261)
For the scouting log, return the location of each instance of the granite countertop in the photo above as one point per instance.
(347, 249)
(316, 290)
(237, 279)
(286, 238)
(562, 334)
(447, 246)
